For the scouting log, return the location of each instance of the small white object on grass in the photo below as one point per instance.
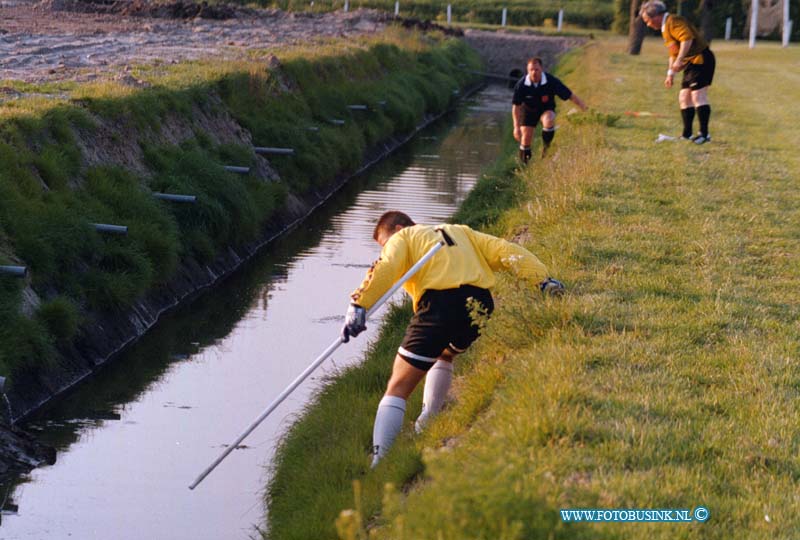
(661, 138)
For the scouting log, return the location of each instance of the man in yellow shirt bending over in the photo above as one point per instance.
(444, 291)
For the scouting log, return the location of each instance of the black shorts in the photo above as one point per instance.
(442, 321)
(531, 117)
(697, 76)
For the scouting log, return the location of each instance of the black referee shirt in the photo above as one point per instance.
(538, 99)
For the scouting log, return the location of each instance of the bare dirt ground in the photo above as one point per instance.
(56, 40)
(83, 40)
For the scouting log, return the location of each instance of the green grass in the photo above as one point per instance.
(668, 376)
(50, 194)
(668, 380)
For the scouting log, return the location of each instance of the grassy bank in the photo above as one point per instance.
(95, 153)
(667, 378)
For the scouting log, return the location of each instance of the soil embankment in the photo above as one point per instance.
(58, 40)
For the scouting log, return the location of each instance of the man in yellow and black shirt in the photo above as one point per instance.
(444, 291)
(688, 52)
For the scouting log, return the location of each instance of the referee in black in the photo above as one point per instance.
(534, 100)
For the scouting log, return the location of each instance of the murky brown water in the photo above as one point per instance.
(132, 439)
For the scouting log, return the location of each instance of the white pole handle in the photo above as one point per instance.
(314, 365)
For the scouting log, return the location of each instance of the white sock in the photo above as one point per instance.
(437, 384)
(388, 421)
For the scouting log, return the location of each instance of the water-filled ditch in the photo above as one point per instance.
(132, 438)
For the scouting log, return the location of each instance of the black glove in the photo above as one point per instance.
(355, 322)
(552, 287)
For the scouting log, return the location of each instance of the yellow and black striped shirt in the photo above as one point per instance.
(676, 29)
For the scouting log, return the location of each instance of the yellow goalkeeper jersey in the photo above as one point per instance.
(473, 260)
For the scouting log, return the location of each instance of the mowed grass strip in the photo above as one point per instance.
(668, 377)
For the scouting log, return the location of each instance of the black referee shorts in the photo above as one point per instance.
(531, 116)
(442, 321)
(697, 76)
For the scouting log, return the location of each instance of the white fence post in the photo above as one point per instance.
(397, 8)
(346, 6)
(728, 26)
(505, 17)
(753, 23)
(787, 24)
(560, 19)
(449, 14)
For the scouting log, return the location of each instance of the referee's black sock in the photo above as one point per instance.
(547, 135)
(703, 115)
(526, 154)
(547, 138)
(688, 118)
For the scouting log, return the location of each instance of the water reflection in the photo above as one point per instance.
(132, 439)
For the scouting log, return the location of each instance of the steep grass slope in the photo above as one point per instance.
(667, 378)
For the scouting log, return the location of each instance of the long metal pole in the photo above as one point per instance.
(314, 365)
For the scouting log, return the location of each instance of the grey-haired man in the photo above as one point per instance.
(688, 52)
